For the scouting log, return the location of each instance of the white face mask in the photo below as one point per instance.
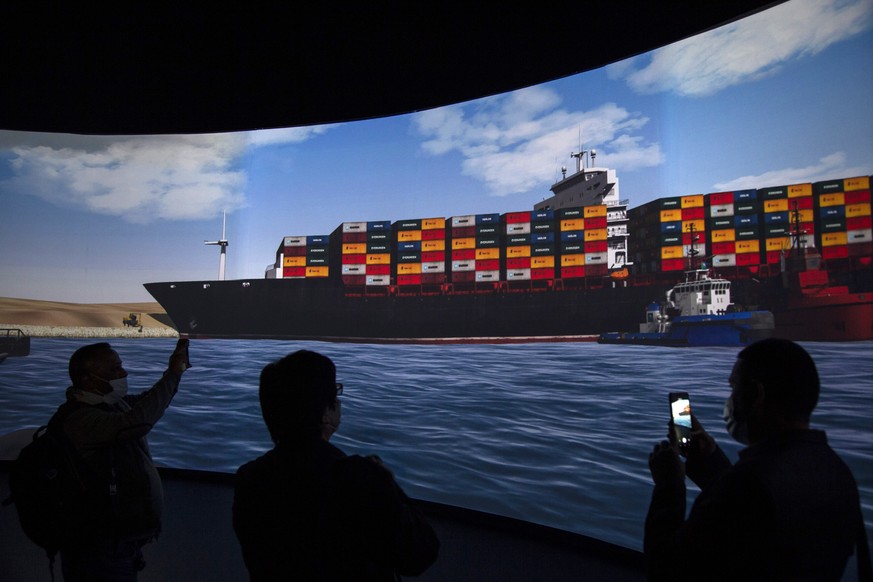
(118, 392)
(738, 429)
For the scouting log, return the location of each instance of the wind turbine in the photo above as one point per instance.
(223, 244)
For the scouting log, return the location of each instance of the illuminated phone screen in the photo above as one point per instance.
(681, 412)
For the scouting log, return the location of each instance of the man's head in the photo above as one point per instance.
(93, 367)
(298, 397)
(774, 386)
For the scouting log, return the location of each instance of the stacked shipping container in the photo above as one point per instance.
(475, 246)
(365, 252)
(304, 256)
(843, 210)
(420, 251)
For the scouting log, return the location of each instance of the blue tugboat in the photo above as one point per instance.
(697, 312)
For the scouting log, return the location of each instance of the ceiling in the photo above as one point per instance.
(155, 69)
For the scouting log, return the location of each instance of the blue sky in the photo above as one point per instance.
(782, 97)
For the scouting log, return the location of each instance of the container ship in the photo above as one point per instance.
(580, 263)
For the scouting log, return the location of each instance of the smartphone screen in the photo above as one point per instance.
(680, 412)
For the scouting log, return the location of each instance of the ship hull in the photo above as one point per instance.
(732, 329)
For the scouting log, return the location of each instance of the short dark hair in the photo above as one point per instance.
(788, 374)
(80, 361)
(294, 392)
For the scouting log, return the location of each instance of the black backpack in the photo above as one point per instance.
(47, 487)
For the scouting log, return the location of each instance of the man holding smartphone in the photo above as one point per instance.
(123, 499)
(789, 509)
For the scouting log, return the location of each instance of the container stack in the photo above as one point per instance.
(571, 230)
(515, 227)
(420, 251)
(596, 235)
(475, 248)
(304, 256)
(843, 210)
(365, 252)
(671, 245)
(543, 248)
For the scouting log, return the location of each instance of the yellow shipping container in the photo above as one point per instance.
(294, 262)
(490, 253)
(433, 223)
(354, 248)
(464, 243)
(594, 211)
(408, 235)
(693, 201)
(805, 215)
(835, 199)
(596, 234)
(379, 259)
(674, 252)
(693, 225)
(780, 205)
(859, 183)
(572, 224)
(723, 235)
(855, 210)
(748, 246)
(833, 239)
(778, 243)
(316, 271)
(573, 260)
(408, 268)
(671, 215)
(542, 262)
(799, 190)
(517, 251)
(433, 245)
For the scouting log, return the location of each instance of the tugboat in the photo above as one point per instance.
(13, 342)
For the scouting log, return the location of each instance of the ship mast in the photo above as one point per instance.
(223, 244)
(693, 252)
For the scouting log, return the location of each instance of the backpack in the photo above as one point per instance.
(47, 487)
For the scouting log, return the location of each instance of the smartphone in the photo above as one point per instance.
(182, 344)
(680, 413)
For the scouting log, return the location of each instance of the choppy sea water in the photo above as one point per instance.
(556, 434)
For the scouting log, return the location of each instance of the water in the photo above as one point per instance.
(557, 434)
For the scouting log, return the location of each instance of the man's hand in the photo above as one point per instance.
(665, 464)
(179, 359)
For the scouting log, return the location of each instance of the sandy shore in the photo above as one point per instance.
(57, 319)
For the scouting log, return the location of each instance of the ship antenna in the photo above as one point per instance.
(223, 244)
(693, 252)
(797, 232)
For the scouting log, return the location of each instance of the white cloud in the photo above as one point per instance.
(512, 142)
(140, 178)
(746, 50)
(827, 168)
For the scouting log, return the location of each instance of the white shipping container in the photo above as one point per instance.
(596, 258)
(727, 260)
(718, 210)
(378, 280)
(518, 228)
(859, 236)
(700, 248)
(295, 241)
(354, 227)
(458, 266)
(518, 275)
(467, 220)
(434, 267)
(354, 270)
(487, 276)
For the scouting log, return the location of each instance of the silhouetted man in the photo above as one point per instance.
(788, 510)
(305, 510)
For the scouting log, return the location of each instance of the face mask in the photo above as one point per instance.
(738, 429)
(118, 392)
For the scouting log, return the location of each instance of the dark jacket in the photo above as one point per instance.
(309, 512)
(788, 510)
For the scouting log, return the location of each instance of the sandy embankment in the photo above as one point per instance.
(57, 319)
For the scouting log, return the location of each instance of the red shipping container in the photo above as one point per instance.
(293, 272)
(356, 259)
(836, 252)
(803, 203)
(859, 222)
(572, 272)
(595, 222)
(723, 248)
(857, 196)
(354, 279)
(864, 249)
(596, 270)
(432, 278)
(596, 246)
(693, 213)
(718, 198)
(433, 256)
(463, 276)
(464, 255)
(517, 217)
(773, 257)
(463, 231)
(544, 273)
(409, 279)
(698, 237)
(294, 251)
(490, 264)
(354, 237)
(516, 263)
(748, 259)
(435, 234)
(378, 269)
(673, 265)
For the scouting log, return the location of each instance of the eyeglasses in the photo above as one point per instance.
(339, 389)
